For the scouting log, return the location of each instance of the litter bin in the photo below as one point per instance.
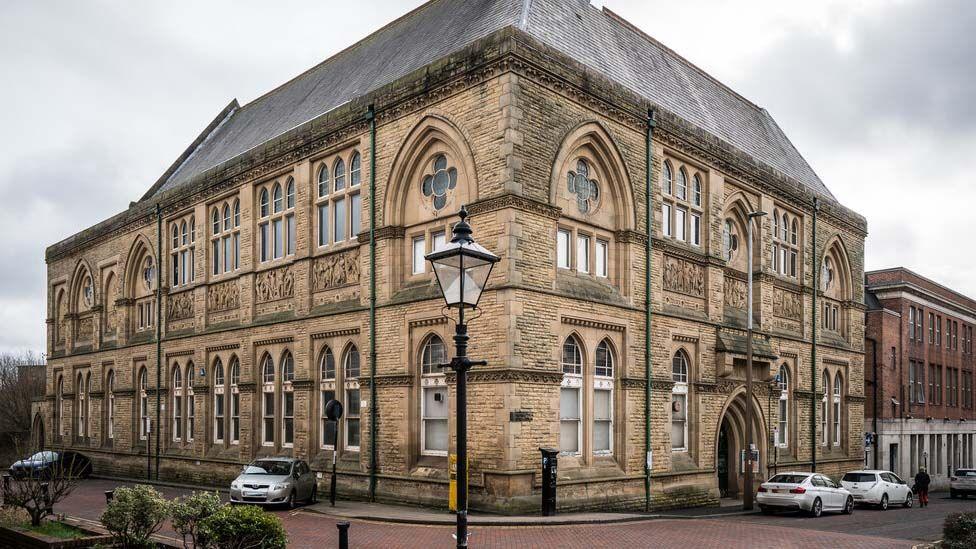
(550, 460)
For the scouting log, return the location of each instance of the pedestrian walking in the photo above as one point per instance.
(922, 487)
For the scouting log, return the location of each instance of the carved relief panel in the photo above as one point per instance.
(223, 301)
(787, 310)
(335, 271)
(274, 290)
(179, 311)
(735, 293)
(684, 283)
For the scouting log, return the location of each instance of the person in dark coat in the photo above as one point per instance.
(922, 481)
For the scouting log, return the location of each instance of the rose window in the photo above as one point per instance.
(586, 190)
(437, 184)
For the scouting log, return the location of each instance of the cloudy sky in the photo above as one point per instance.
(99, 97)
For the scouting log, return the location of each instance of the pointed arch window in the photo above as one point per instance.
(225, 238)
(785, 251)
(327, 390)
(59, 408)
(433, 402)
(351, 413)
(190, 411)
(681, 212)
(267, 401)
(838, 390)
(219, 400)
(287, 400)
(338, 205)
(667, 178)
(571, 398)
(276, 228)
(110, 412)
(679, 402)
(182, 252)
(603, 399)
(783, 383)
(824, 410)
(235, 400)
(81, 399)
(143, 404)
(177, 388)
(730, 240)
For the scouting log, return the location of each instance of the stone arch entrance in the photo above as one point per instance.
(37, 433)
(731, 440)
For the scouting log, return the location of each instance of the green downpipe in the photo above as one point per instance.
(371, 116)
(813, 346)
(648, 248)
(159, 328)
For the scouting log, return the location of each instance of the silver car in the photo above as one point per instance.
(274, 481)
(963, 483)
(803, 491)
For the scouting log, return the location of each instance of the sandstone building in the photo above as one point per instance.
(290, 244)
(919, 349)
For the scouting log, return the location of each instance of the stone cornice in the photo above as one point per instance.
(517, 202)
(383, 233)
(185, 352)
(684, 338)
(630, 237)
(388, 380)
(434, 321)
(225, 347)
(855, 398)
(302, 383)
(588, 323)
(335, 333)
(273, 341)
(659, 384)
(510, 375)
(247, 387)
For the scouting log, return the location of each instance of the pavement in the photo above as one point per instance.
(378, 525)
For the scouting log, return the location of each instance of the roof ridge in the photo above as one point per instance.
(921, 276)
(627, 24)
(342, 51)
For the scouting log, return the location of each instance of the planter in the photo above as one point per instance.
(10, 537)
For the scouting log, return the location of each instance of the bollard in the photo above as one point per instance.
(343, 534)
(109, 494)
(550, 460)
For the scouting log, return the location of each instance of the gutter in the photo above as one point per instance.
(813, 347)
(648, 248)
(371, 117)
(159, 327)
(874, 393)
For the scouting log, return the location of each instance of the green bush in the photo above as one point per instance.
(239, 527)
(959, 531)
(134, 515)
(188, 512)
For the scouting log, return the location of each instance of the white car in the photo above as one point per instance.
(963, 483)
(803, 491)
(881, 488)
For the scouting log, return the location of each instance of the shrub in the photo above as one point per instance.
(134, 515)
(959, 531)
(188, 512)
(239, 527)
(14, 517)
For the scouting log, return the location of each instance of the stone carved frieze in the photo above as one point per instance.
(684, 277)
(275, 284)
(86, 329)
(333, 271)
(735, 293)
(223, 297)
(787, 304)
(180, 306)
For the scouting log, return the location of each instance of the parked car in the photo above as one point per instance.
(49, 464)
(962, 483)
(803, 491)
(881, 488)
(274, 481)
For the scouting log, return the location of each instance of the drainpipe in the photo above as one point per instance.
(159, 326)
(648, 248)
(874, 392)
(813, 347)
(371, 117)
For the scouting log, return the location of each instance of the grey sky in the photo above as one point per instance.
(100, 97)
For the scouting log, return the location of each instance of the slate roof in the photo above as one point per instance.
(598, 39)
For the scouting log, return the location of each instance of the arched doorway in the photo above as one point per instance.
(731, 441)
(37, 433)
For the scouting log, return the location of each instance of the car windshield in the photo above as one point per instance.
(268, 467)
(966, 473)
(860, 477)
(789, 479)
(43, 456)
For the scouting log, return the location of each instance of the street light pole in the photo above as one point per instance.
(747, 493)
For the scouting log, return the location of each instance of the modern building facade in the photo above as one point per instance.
(919, 349)
(280, 260)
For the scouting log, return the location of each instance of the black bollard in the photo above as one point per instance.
(343, 534)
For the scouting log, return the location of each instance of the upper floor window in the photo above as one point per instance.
(679, 401)
(438, 181)
(681, 210)
(225, 237)
(585, 250)
(783, 383)
(785, 244)
(838, 386)
(338, 200)
(183, 240)
(583, 187)
(730, 240)
(276, 226)
(433, 401)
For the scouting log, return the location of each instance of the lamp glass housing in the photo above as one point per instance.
(462, 270)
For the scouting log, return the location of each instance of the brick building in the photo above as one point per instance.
(919, 344)
(270, 250)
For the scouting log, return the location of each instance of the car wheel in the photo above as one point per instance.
(765, 510)
(909, 500)
(849, 506)
(884, 503)
(952, 494)
(816, 509)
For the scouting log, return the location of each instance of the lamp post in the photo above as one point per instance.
(462, 268)
(747, 493)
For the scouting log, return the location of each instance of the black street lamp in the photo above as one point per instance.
(462, 268)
